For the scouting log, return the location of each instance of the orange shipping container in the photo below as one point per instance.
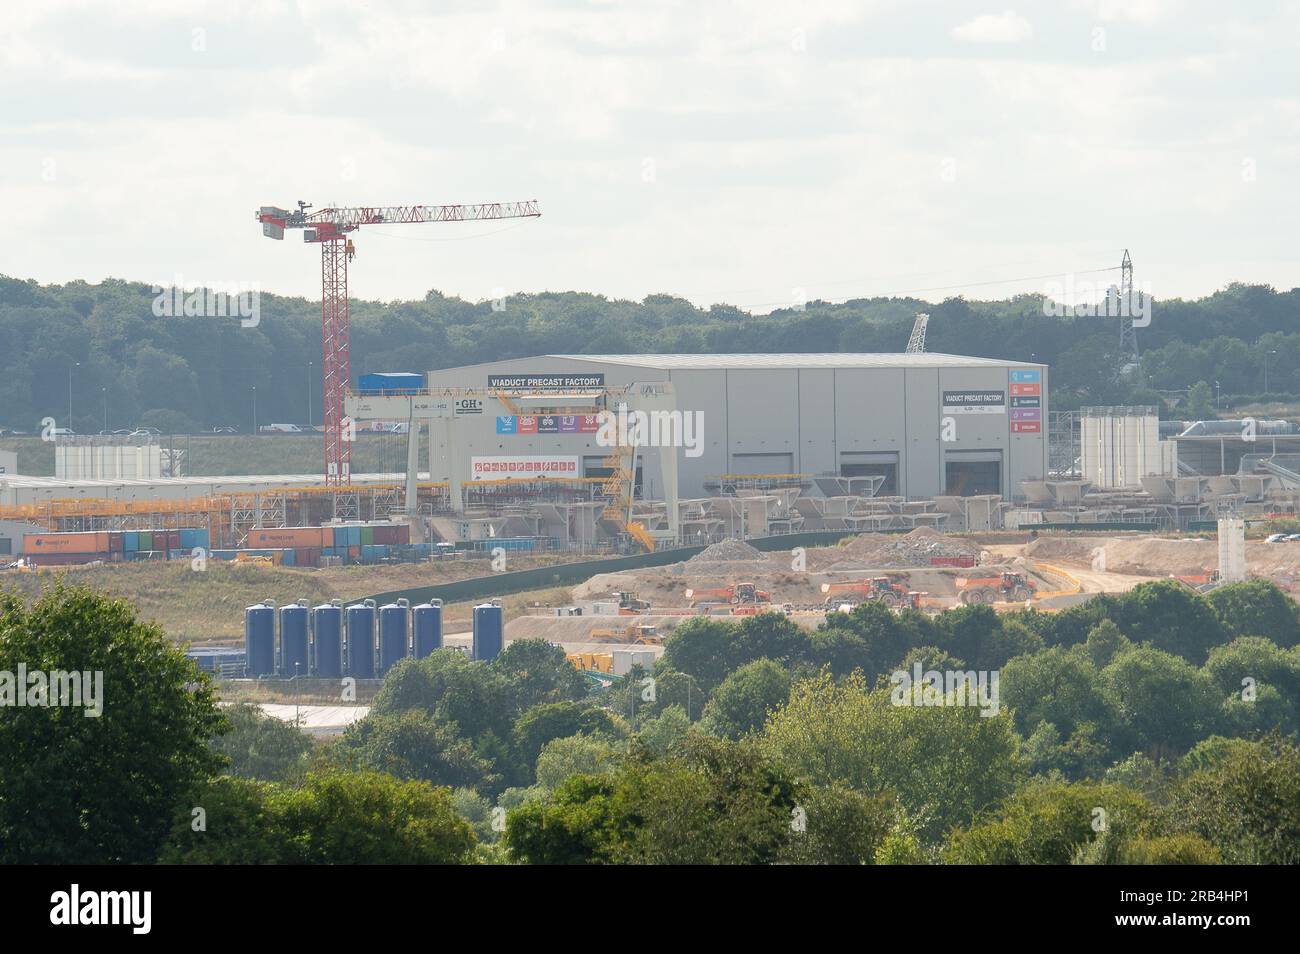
(38, 543)
(290, 538)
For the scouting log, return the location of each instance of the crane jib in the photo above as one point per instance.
(329, 228)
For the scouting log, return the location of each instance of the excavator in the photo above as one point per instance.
(894, 595)
(738, 594)
(1009, 587)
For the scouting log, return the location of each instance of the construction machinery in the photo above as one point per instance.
(631, 603)
(736, 594)
(330, 229)
(1007, 587)
(638, 634)
(1201, 582)
(873, 589)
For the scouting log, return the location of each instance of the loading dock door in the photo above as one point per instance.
(762, 463)
(969, 473)
(872, 464)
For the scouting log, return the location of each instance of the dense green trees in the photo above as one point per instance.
(740, 705)
(944, 763)
(331, 819)
(179, 373)
(258, 746)
(81, 786)
(1089, 744)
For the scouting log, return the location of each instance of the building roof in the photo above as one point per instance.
(718, 362)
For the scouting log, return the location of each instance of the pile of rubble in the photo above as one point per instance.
(728, 551)
(915, 549)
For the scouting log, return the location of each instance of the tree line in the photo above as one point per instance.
(103, 350)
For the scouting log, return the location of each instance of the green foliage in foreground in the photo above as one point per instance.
(333, 819)
(82, 790)
(755, 742)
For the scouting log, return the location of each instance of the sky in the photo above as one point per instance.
(753, 153)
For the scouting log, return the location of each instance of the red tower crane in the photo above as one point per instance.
(329, 228)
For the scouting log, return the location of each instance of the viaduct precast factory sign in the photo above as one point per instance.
(974, 402)
(545, 382)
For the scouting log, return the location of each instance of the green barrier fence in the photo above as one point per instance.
(568, 574)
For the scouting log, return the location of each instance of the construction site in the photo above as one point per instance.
(920, 480)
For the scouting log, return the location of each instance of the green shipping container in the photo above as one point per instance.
(367, 536)
(146, 540)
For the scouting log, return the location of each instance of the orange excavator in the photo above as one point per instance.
(881, 588)
(737, 594)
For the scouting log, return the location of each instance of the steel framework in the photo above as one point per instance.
(330, 228)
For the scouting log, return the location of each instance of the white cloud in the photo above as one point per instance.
(815, 164)
(1008, 27)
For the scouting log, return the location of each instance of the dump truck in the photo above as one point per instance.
(882, 588)
(736, 594)
(638, 634)
(1007, 587)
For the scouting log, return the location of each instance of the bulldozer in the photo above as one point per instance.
(1008, 587)
(631, 603)
(638, 634)
(882, 588)
(738, 594)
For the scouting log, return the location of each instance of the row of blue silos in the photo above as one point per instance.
(321, 640)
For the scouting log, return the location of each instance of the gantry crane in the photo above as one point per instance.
(329, 228)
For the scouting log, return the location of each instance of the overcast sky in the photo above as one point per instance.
(743, 152)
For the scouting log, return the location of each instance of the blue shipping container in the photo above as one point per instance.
(131, 541)
(392, 382)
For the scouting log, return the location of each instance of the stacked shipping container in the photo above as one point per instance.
(287, 546)
(69, 549)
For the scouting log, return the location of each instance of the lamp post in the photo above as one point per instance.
(309, 367)
(70, 370)
(1266, 354)
(103, 393)
(254, 410)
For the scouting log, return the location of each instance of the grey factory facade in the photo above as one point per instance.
(930, 424)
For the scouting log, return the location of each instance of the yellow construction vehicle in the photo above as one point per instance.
(638, 634)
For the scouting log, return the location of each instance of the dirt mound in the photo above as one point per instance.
(1070, 550)
(914, 549)
(728, 551)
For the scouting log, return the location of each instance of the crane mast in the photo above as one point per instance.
(329, 228)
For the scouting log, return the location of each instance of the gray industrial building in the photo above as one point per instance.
(929, 424)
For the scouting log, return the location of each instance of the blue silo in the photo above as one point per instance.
(394, 630)
(426, 622)
(361, 639)
(489, 631)
(259, 639)
(327, 635)
(293, 639)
